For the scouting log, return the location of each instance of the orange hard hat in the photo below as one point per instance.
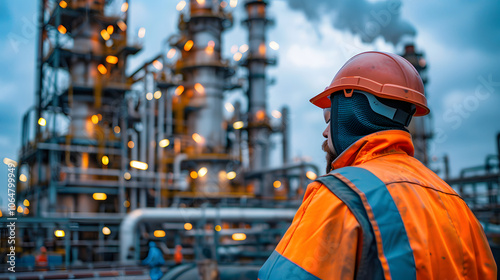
(382, 74)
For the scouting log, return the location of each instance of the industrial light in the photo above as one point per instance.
(23, 178)
(199, 88)
(59, 233)
(239, 236)
(262, 49)
(122, 25)
(138, 165)
(26, 211)
(111, 59)
(142, 32)
(1, 214)
(223, 4)
(277, 184)
(157, 94)
(180, 5)
(42, 122)
(261, 115)
(9, 161)
(193, 174)
(275, 46)
(126, 203)
(237, 56)
(202, 172)
(26, 203)
(229, 107)
(116, 129)
(201, 2)
(311, 175)
(164, 143)
(243, 48)
(238, 125)
(63, 4)
(171, 53)
(110, 29)
(106, 231)
(188, 226)
(102, 69)
(231, 175)
(159, 233)
(61, 29)
(189, 44)
(179, 90)
(233, 3)
(127, 176)
(20, 209)
(157, 64)
(222, 175)
(218, 228)
(105, 160)
(99, 196)
(130, 144)
(105, 34)
(94, 119)
(124, 7)
(198, 138)
(276, 114)
(149, 96)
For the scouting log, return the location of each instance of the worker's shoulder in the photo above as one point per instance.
(319, 198)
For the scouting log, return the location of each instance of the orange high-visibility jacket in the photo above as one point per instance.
(381, 214)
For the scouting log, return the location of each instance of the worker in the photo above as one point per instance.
(155, 260)
(178, 254)
(41, 261)
(379, 213)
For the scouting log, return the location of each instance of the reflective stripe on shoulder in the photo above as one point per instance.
(393, 245)
(279, 267)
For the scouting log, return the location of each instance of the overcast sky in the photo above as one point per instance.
(461, 42)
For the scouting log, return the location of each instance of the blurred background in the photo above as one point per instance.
(198, 111)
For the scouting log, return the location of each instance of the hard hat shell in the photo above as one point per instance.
(384, 75)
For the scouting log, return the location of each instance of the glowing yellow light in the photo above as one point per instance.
(159, 233)
(231, 175)
(20, 209)
(275, 46)
(234, 48)
(63, 4)
(164, 143)
(26, 211)
(237, 56)
(111, 59)
(199, 88)
(110, 29)
(124, 7)
(131, 144)
(99, 196)
(59, 233)
(179, 90)
(102, 69)
(157, 64)
(116, 129)
(42, 122)
(1, 214)
(276, 184)
(8, 161)
(26, 203)
(209, 49)
(201, 2)
(62, 29)
(122, 25)
(189, 44)
(311, 175)
(233, 3)
(239, 236)
(126, 203)
(149, 96)
(157, 94)
(23, 178)
(198, 138)
(106, 231)
(171, 53)
(105, 160)
(188, 226)
(193, 174)
(261, 115)
(202, 172)
(180, 5)
(238, 125)
(127, 176)
(138, 165)
(218, 228)
(105, 34)
(94, 119)
(243, 48)
(262, 49)
(276, 114)
(142, 32)
(229, 107)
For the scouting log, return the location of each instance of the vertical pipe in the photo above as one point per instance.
(143, 144)
(285, 134)
(498, 151)
(39, 67)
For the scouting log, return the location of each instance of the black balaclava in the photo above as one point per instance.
(352, 118)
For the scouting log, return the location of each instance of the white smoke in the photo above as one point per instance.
(367, 19)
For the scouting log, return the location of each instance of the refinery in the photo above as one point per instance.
(113, 158)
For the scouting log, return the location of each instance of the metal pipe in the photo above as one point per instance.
(177, 170)
(39, 66)
(498, 151)
(180, 215)
(285, 134)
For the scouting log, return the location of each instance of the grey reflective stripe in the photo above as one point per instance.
(279, 267)
(369, 266)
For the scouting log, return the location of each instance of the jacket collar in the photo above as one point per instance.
(373, 146)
